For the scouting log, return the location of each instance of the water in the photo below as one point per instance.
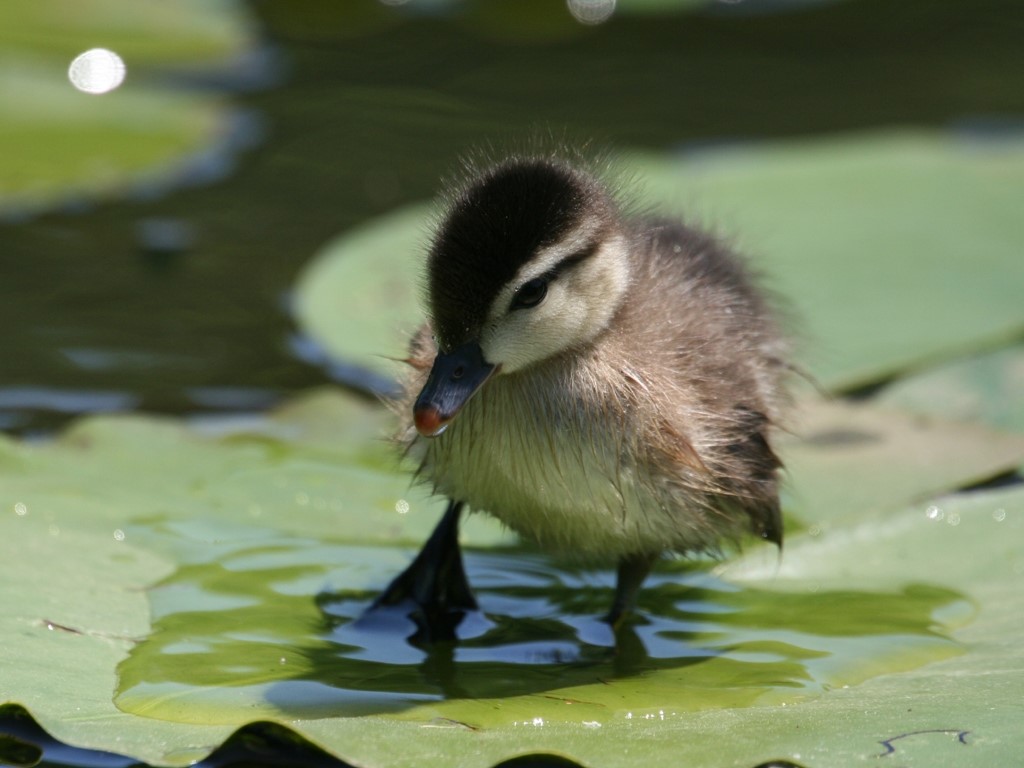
(260, 626)
(372, 107)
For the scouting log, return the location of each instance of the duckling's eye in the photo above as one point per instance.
(530, 294)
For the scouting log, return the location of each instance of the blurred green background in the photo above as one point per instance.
(149, 237)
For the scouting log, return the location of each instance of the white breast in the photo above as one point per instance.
(561, 474)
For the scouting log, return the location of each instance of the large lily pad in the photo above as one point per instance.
(259, 541)
(894, 250)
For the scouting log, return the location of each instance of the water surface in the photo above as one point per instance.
(261, 626)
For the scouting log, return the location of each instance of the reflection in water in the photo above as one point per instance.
(254, 631)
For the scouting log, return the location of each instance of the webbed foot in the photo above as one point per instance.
(434, 587)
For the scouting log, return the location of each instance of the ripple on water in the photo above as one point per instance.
(263, 629)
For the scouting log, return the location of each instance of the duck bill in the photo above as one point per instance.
(453, 380)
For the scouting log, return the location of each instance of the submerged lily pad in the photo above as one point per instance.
(261, 542)
(894, 250)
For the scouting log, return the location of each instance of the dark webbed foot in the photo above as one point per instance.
(434, 586)
(435, 591)
(633, 569)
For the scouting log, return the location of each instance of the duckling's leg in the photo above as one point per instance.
(435, 583)
(633, 569)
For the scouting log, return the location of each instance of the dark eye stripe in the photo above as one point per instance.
(581, 255)
(570, 261)
(532, 292)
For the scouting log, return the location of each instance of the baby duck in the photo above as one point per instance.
(604, 384)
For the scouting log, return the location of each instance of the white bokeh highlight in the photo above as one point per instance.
(591, 11)
(97, 71)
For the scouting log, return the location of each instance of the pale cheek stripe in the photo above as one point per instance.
(542, 262)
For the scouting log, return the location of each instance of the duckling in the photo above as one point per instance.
(603, 383)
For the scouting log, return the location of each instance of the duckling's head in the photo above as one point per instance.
(529, 261)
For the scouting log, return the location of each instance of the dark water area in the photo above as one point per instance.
(180, 303)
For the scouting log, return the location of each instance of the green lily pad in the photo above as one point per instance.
(186, 33)
(986, 388)
(846, 460)
(865, 237)
(61, 144)
(359, 297)
(260, 541)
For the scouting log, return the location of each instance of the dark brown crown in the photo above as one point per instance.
(493, 226)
